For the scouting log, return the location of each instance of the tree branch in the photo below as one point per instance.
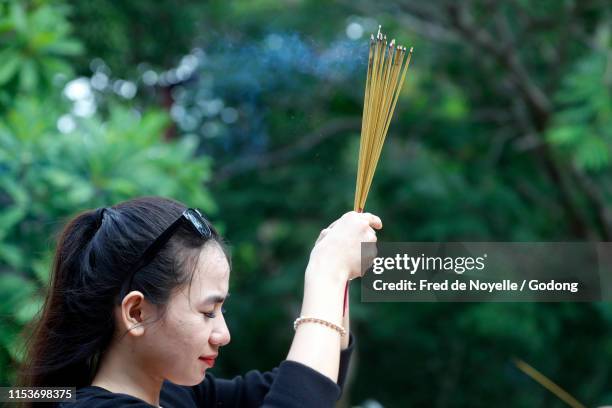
(597, 201)
(506, 54)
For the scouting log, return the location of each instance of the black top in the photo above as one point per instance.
(291, 384)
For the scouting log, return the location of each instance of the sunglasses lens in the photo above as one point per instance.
(199, 222)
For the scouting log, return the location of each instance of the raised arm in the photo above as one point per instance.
(335, 258)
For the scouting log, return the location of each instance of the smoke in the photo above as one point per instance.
(225, 92)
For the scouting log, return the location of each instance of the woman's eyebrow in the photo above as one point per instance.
(215, 299)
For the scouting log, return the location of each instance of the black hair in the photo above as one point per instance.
(93, 258)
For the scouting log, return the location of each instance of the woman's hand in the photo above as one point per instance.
(337, 251)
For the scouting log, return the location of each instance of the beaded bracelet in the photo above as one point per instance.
(331, 325)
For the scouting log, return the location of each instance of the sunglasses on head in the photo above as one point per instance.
(190, 217)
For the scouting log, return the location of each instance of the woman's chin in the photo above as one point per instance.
(196, 379)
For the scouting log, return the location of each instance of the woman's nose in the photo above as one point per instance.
(220, 335)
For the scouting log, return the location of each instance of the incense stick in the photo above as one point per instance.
(387, 67)
(548, 384)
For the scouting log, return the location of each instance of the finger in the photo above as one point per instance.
(322, 235)
(370, 236)
(373, 220)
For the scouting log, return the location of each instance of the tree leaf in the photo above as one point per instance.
(8, 68)
(28, 76)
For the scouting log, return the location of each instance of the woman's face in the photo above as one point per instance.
(194, 326)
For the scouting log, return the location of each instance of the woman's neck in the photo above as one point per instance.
(121, 371)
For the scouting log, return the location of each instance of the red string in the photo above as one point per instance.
(346, 288)
(345, 299)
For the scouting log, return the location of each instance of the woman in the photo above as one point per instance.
(134, 313)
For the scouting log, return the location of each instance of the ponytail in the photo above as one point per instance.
(57, 354)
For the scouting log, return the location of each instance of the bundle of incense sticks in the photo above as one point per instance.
(387, 67)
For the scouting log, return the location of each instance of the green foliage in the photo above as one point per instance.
(126, 33)
(34, 43)
(583, 125)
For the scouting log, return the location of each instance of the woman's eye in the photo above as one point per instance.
(212, 315)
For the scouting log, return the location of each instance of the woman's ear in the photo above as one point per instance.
(133, 313)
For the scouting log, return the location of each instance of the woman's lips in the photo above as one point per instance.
(210, 360)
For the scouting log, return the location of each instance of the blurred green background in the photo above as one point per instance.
(251, 110)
